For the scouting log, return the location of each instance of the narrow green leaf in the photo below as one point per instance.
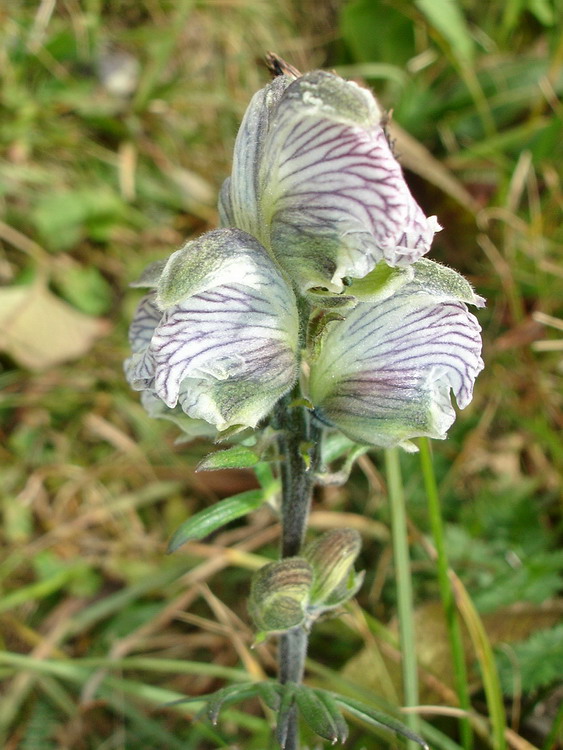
(36, 591)
(403, 579)
(378, 718)
(228, 696)
(446, 593)
(485, 656)
(237, 457)
(555, 732)
(270, 694)
(315, 714)
(447, 18)
(211, 519)
(332, 708)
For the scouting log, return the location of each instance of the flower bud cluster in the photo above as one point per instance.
(295, 591)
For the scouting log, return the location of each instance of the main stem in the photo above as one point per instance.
(297, 475)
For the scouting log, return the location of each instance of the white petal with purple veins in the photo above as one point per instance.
(332, 194)
(384, 374)
(225, 351)
(226, 214)
(215, 258)
(191, 428)
(241, 197)
(145, 320)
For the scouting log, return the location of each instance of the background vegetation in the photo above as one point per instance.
(117, 124)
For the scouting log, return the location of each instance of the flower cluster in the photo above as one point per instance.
(316, 217)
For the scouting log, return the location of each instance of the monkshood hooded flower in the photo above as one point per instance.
(218, 334)
(316, 208)
(315, 180)
(383, 374)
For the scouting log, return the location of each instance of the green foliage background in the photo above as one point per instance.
(116, 128)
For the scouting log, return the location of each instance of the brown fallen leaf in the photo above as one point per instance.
(39, 330)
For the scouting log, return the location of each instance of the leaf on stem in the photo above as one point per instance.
(270, 694)
(237, 457)
(219, 514)
(227, 696)
(316, 714)
(331, 707)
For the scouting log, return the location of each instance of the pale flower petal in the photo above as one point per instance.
(384, 374)
(226, 350)
(191, 428)
(241, 198)
(317, 183)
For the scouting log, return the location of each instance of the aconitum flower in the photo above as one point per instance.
(316, 206)
(384, 373)
(218, 335)
(315, 180)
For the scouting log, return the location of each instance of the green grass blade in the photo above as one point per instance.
(485, 656)
(446, 593)
(404, 583)
(379, 719)
(446, 17)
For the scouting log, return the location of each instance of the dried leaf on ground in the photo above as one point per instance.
(39, 330)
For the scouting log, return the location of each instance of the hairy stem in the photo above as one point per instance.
(299, 447)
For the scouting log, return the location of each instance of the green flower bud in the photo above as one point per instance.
(279, 595)
(332, 558)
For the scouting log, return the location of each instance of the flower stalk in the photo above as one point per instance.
(297, 491)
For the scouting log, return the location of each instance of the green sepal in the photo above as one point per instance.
(209, 520)
(377, 718)
(380, 283)
(440, 280)
(318, 326)
(231, 432)
(303, 401)
(237, 457)
(191, 269)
